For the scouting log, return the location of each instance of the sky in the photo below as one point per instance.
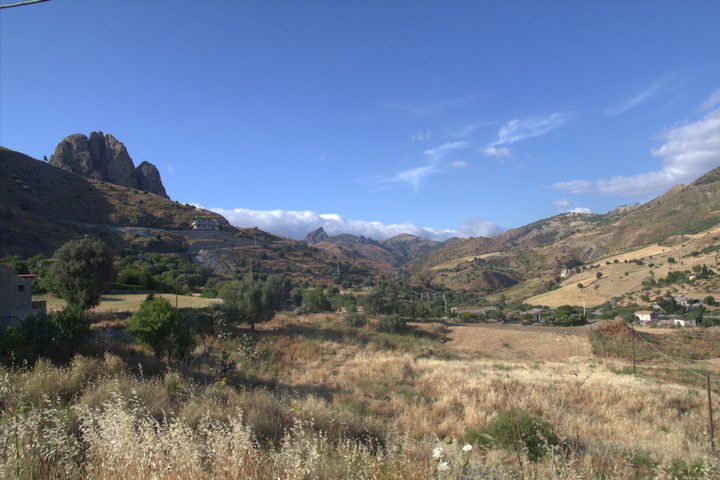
(440, 119)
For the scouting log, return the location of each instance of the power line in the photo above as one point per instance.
(21, 4)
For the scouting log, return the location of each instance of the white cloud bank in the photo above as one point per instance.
(689, 151)
(297, 223)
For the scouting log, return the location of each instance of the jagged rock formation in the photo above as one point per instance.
(103, 157)
(316, 236)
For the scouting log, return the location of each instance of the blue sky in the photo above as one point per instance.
(436, 118)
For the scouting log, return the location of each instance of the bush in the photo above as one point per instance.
(390, 324)
(513, 428)
(355, 320)
(159, 326)
(57, 336)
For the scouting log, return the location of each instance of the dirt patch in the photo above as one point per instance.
(518, 342)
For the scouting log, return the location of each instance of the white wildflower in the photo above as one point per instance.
(467, 447)
(443, 466)
(437, 452)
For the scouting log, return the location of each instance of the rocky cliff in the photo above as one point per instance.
(103, 157)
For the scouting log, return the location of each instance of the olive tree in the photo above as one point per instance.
(159, 326)
(82, 271)
(254, 301)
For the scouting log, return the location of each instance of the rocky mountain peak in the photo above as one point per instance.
(316, 236)
(103, 157)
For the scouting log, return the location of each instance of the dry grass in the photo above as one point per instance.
(341, 405)
(514, 342)
(129, 302)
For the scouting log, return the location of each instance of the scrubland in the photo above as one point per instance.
(310, 397)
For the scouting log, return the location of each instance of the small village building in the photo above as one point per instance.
(16, 302)
(474, 310)
(646, 316)
(207, 224)
(686, 301)
(684, 322)
(537, 314)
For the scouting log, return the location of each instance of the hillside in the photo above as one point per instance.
(42, 206)
(389, 254)
(536, 255)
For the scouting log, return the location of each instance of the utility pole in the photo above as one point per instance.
(633, 350)
(711, 426)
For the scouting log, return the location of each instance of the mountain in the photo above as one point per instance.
(390, 254)
(103, 157)
(42, 206)
(536, 255)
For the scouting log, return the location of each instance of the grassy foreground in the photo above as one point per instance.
(310, 397)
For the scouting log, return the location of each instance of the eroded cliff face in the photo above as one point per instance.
(104, 157)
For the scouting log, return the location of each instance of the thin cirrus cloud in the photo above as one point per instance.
(521, 128)
(565, 206)
(417, 175)
(496, 152)
(297, 223)
(689, 151)
(712, 101)
(639, 98)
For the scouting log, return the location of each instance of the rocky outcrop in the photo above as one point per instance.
(104, 157)
(316, 236)
(148, 178)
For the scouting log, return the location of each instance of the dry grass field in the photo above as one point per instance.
(129, 302)
(626, 278)
(312, 398)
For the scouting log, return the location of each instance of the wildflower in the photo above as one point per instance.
(443, 466)
(467, 447)
(437, 452)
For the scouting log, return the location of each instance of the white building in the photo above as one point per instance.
(206, 224)
(16, 302)
(684, 322)
(646, 316)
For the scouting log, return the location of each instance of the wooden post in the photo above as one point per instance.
(633, 349)
(711, 426)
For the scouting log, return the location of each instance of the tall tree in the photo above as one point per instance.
(254, 301)
(82, 272)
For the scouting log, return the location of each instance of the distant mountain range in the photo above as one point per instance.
(91, 186)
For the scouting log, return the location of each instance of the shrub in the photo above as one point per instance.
(354, 319)
(516, 428)
(390, 324)
(159, 326)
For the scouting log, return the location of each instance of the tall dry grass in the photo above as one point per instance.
(343, 406)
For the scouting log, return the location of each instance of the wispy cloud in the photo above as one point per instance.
(521, 128)
(497, 152)
(170, 169)
(562, 203)
(297, 223)
(413, 176)
(641, 97)
(689, 151)
(437, 153)
(423, 136)
(579, 210)
(459, 164)
(712, 101)
(565, 206)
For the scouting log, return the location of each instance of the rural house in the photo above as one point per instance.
(537, 314)
(205, 224)
(646, 316)
(684, 322)
(686, 302)
(16, 298)
(474, 310)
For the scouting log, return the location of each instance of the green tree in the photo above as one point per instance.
(159, 326)
(316, 301)
(254, 301)
(82, 271)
